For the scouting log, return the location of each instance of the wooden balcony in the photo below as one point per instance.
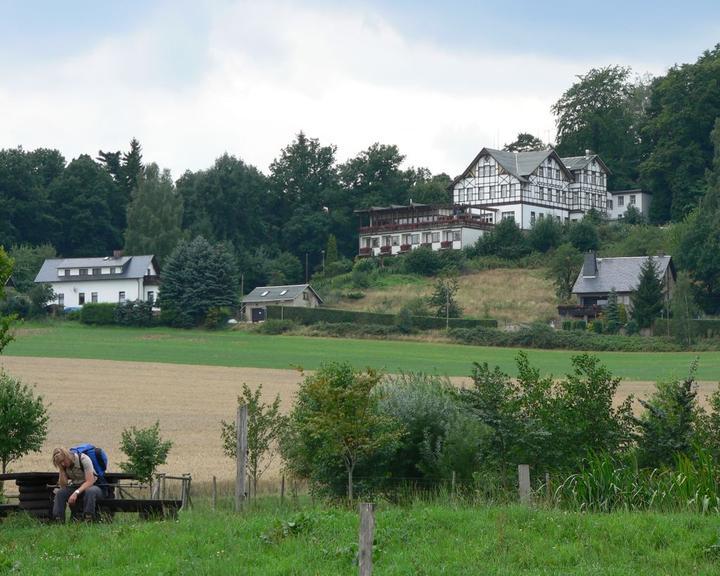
(405, 247)
(386, 250)
(365, 251)
(446, 244)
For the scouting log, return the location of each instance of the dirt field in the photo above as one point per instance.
(94, 400)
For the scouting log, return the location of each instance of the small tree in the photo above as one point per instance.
(647, 299)
(612, 313)
(443, 300)
(331, 250)
(265, 426)
(583, 235)
(563, 267)
(545, 234)
(684, 309)
(6, 268)
(335, 421)
(23, 420)
(145, 450)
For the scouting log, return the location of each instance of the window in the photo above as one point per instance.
(283, 292)
(503, 190)
(366, 242)
(508, 215)
(83, 271)
(621, 201)
(541, 171)
(117, 270)
(387, 241)
(541, 216)
(396, 240)
(532, 218)
(151, 296)
(61, 272)
(436, 236)
(407, 239)
(96, 271)
(427, 237)
(542, 193)
(632, 199)
(93, 297)
(416, 239)
(513, 189)
(61, 299)
(610, 204)
(376, 242)
(81, 297)
(492, 191)
(306, 296)
(557, 173)
(265, 293)
(456, 235)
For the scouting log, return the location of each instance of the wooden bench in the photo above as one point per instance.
(146, 508)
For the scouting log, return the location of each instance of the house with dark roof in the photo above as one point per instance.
(109, 279)
(256, 302)
(599, 276)
(531, 186)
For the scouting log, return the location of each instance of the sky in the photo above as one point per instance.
(192, 80)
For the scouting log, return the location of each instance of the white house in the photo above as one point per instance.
(621, 200)
(255, 303)
(77, 281)
(391, 230)
(530, 186)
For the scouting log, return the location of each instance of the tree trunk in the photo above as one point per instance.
(350, 483)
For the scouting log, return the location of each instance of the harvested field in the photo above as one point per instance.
(94, 400)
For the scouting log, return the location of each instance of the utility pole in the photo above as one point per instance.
(306, 267)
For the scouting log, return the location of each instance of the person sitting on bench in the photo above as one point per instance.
(76, 480)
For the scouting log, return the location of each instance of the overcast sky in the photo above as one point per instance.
(192, 80)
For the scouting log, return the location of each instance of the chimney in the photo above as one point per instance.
(588, 153)
(589, 269)
(118, 253)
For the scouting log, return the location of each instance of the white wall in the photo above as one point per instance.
(642, 203)
(468, 237)
(107, 290)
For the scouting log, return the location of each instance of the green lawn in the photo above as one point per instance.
(420, 540)
(236, 348)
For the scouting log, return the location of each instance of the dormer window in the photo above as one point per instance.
(61, 272)
(283, 293)
(265, 293)
(83, 271)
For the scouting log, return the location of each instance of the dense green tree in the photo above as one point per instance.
(28, 260)
(583, 235)
(197, 277)
(83, 200)
(563, 267)
(525, 142)
(545, 235)
(647, 298)
(126, 169)
(603, 112)
(430, 189)
(683, 108)
(23, 420)
(505, 240)
(154, 216)
(443, 300)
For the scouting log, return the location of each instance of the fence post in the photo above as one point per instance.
(214, 493)
(548, 488)
(282, 489)
(367, 529)
(524, 482)
(187, 482)
(241, 448)
(452, 485)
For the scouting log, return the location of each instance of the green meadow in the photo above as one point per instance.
(420, 539)
(247, 349)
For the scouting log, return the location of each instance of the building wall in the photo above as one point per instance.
(299, 301)
(460, 236)
(106, 290)
(642, 203)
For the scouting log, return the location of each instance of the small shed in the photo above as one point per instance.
(255, 304)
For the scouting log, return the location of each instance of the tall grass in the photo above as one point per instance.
(608, 484)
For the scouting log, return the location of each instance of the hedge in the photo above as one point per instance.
(542, 336)
(310, 316)
(704, 328)
(99, 314)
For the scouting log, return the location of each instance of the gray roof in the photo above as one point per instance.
(278, 293)
(579, 162)
(132, 267)
(622, 274)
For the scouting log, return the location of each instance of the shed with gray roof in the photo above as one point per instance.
(256, 302)
(599, 276)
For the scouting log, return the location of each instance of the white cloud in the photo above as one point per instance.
(261, 72)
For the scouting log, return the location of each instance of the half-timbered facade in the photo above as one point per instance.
(530, 186)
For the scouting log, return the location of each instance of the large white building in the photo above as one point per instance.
(78, 281)
(530, 186)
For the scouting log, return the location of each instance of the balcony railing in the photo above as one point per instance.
(446, 244)
(385, 249)
(439, 222)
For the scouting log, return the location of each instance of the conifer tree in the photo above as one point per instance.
(647, 299)
(331, 251)
(612, 313)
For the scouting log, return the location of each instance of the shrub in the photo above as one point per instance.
(217, 317)
(567, 325)
(145, 450)
(338, 267)
(545, 235)
(15, 303)
(424, 261)
(274, 327)
(579, 325)
(134, 313)
(98, 314)
(583, 235)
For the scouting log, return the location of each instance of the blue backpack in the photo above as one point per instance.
(97, 456)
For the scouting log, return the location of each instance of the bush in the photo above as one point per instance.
(145, 450)
(217, 317)
(423, 261)
(338, 267)
(567, 325)
(274, 327)
(134, 313)
(15, 303)
(333, 316)
(98, 314)
(579, 325)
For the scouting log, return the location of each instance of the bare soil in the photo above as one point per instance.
(95, 400)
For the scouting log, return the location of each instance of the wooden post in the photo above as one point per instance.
(524, 482)
(548, 488)
(214, 493)
(241, 447)
(452, 484)
(282, 489)
(367, 529)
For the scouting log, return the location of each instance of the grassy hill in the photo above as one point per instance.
(511, 295)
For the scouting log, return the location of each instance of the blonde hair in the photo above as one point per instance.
(59, 456)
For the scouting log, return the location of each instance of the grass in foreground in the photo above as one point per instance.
(421, 539)
(246, 349)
